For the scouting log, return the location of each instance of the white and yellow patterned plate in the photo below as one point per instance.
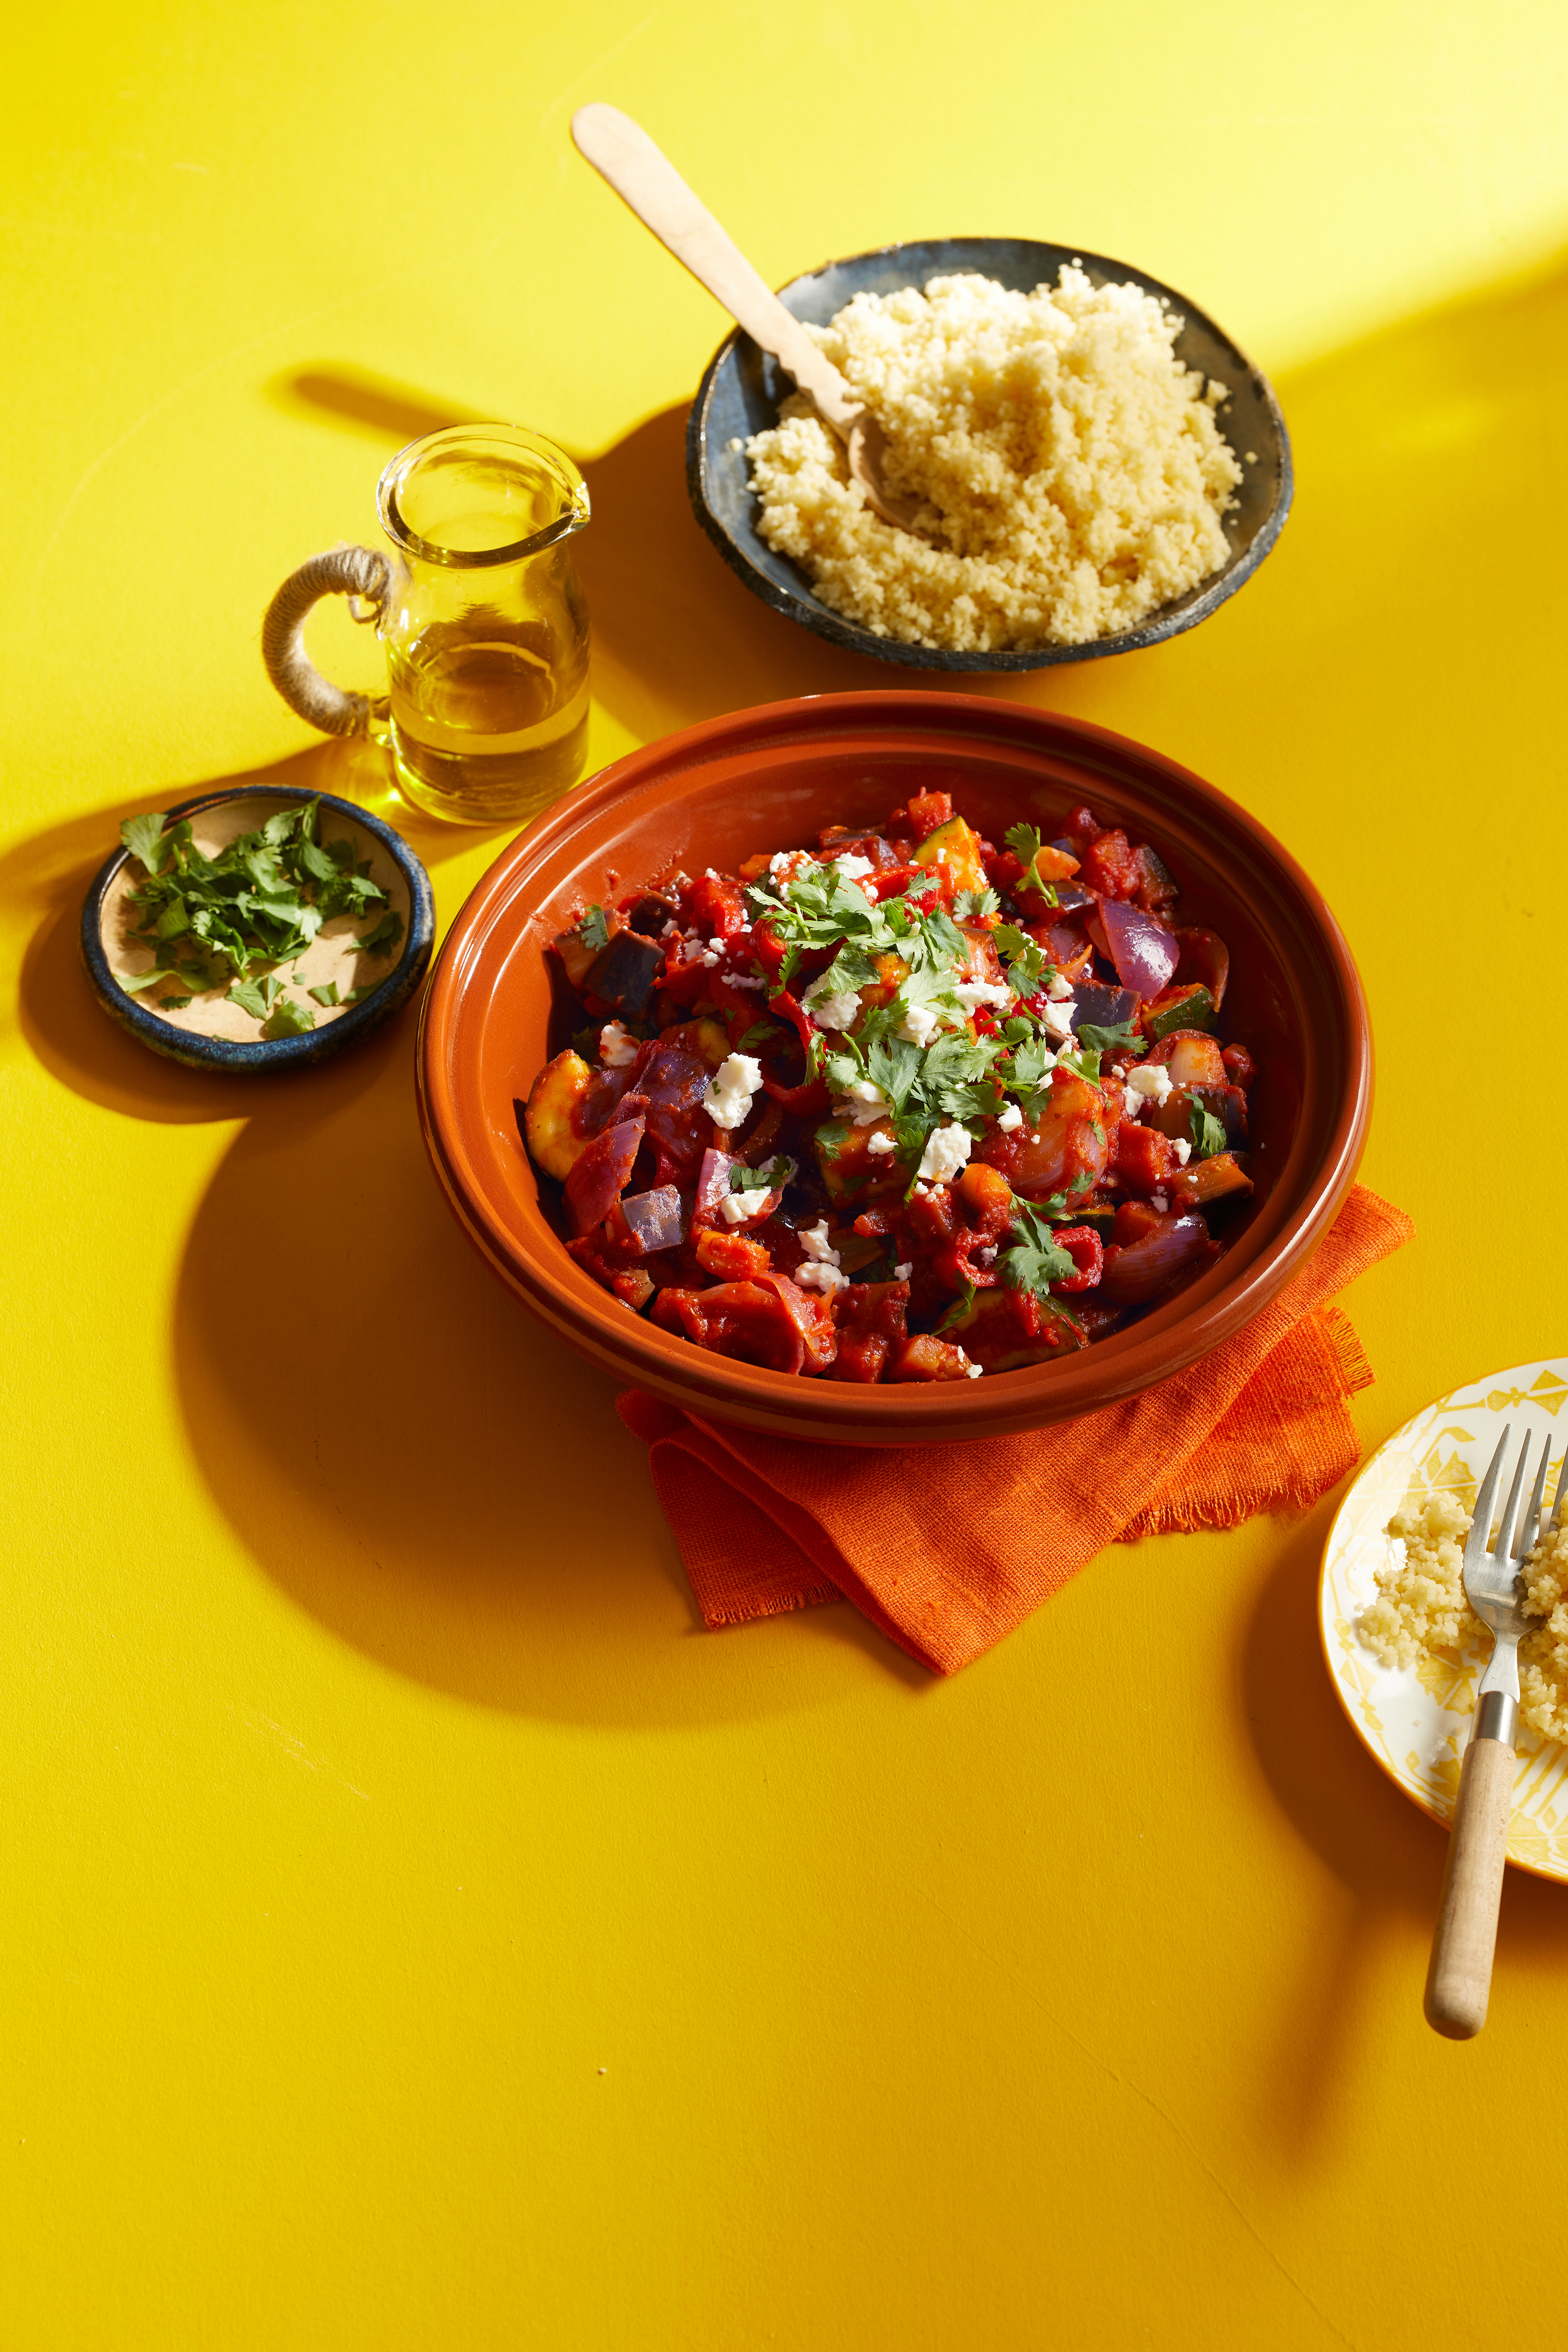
(1414, 1719)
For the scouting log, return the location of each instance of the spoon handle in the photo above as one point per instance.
(1459, 1982)
(645, 178)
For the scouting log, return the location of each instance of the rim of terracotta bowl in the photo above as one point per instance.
(570, 853)
(787, 588)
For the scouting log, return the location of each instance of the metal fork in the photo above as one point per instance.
(1458, 1981)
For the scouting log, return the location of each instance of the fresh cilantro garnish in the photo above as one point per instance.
(328, 995)
(1025, 841)
(973, 906)
(593, 930)
(260, 901)
(257, 997)
(174, 1003)
(144, 836)
(769, 1178)
(1037, 1259)
(384, 939)
(1084, 1059)
(960, 1309)
(290, 1019)
(1109, 1039)
(758, 1035)
(1208, 1132)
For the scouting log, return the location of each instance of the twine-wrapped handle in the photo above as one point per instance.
(366, 578)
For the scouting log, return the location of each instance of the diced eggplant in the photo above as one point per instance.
(623, 974)
(650, 915)
(655, 1219)
(1103, 1008)
(577, 957)
(1209, 1179)
(1070, 897)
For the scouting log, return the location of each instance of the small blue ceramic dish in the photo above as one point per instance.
(197, 1036)
(741, 392)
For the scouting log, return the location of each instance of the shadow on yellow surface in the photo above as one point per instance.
(418, 1464)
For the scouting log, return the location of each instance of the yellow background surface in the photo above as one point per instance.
(417, 1931)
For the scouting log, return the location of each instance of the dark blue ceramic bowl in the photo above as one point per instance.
(741, 392)
(337, 1036)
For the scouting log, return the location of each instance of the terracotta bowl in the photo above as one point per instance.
(771, 778)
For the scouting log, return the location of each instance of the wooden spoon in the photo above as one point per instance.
(645, 180)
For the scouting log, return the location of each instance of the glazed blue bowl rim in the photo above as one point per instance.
(268, 1053)
(1169, 620)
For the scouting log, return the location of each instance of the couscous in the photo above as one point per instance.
(1070, 472)
(1421, 1606)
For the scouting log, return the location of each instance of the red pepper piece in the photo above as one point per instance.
(1082, 1244)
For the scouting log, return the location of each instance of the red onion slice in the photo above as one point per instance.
(600, 1176)
(1144, 955)
(655, 1219)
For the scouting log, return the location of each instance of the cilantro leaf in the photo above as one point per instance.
(960, 1310)
(769, 1178)
(289, 1018)
(593, 930)
(257, 997)
(1037, 1259)
(971, 906)
(144, 836)
(327, 995)
(758, 1035)
(384, 939)
(1025, 841)
(1208, 1132)
(134, 982)
(1109, 1039)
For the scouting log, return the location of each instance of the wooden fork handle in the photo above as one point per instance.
(1459, 1978)
(644, 178)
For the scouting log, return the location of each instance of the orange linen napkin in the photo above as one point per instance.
(947, 1547)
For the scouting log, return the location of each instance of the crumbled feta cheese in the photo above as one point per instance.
(947, 1151)
(829, 1009)
(617, 1047)
(1182, 1149)
(863, 1102)
(709, 957)
(852, 866)
(670, 928)
(902, 1273)
(730, 1090)
(1158, 1201)
(741, 980)
(1009, 1118)
(740, 1208)
(881, 1143)
(971, 993)
(821, 1271)
(1060, 988)
(986, 1257)
(973, 1371)
(787, 862)
(710, 874)
(1151, 1080)
(920, 1023)
(1058, 1018)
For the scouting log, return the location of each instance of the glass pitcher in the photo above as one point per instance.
(482, 616)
